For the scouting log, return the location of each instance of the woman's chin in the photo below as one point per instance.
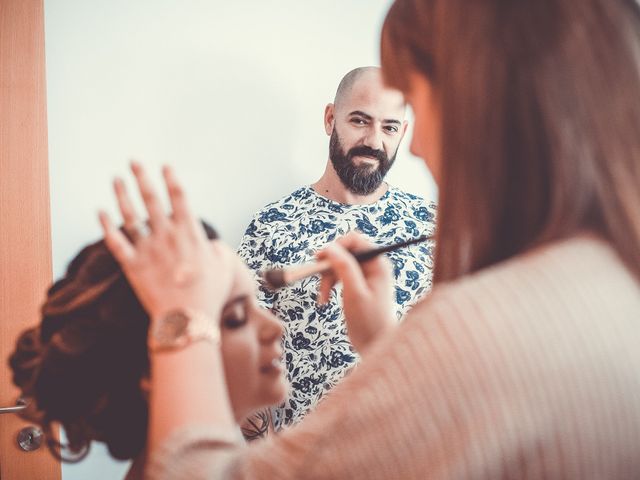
(282, 391)
(276, 392)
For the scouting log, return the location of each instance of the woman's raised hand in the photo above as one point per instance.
(367, 289)
(173, 264)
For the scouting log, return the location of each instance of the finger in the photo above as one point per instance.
(377, 267)
(327, 281)
(116, 242)
(124, 202)
(157, 217)
(356, 242)
(129, 217)
(345, 267)
(177, 197)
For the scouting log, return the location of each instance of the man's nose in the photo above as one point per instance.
(373, 139)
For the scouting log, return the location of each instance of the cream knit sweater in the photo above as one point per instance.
(529, 369)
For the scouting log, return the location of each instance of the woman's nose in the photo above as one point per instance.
(271, 327)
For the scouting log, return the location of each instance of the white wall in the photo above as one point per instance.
(230, 93)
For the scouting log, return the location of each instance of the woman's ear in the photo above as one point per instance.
(145, 386)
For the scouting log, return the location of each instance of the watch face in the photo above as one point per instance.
(179, 328)
(172, 327)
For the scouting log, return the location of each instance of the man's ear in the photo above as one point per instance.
(329, 118)
(403, 129)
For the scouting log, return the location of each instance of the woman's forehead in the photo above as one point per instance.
(243, 280)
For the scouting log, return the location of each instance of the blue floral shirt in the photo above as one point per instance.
(290, 232)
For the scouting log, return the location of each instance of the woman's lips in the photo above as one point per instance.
(272, 367)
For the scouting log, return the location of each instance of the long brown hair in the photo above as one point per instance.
(540, 112)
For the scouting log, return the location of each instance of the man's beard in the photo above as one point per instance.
(359, 179)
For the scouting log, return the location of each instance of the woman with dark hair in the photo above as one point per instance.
(524, 360)
(86, 365)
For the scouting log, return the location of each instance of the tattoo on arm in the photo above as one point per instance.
(257, 425)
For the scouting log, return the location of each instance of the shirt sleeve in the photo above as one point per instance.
(253, 250)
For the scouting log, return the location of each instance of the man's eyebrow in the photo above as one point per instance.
(369, 117)
(361, 114)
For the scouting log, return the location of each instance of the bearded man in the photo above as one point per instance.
(366, 123)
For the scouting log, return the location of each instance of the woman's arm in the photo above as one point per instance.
(258, 425)
(174, 267)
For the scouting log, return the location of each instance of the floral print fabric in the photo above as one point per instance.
(290, 232)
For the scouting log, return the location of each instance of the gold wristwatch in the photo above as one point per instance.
(181, 327)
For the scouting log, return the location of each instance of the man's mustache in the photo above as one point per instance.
(364, 151)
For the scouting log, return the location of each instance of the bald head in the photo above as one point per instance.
(350, 79)
(367, 78)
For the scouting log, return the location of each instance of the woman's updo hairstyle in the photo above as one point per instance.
(82, 367)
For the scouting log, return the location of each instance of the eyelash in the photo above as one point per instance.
(235, 319)
(232, 322)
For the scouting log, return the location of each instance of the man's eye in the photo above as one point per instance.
(391, 129)
(358, 121)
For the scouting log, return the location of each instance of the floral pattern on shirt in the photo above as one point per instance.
(290, 232)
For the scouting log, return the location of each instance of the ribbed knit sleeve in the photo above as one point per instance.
(530, 369)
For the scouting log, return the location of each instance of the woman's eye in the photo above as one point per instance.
(235, 316)
(233, 321)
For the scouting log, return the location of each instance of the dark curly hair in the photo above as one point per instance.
(83, 365)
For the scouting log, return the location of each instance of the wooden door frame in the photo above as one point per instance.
(25, 222)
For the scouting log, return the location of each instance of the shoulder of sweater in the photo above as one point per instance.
(559, 268)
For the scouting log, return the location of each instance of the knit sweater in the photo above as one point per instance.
(527, 369)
